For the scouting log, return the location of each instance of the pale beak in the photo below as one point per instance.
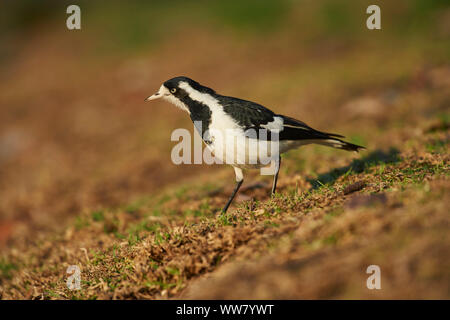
(163, 91)
(154, 97)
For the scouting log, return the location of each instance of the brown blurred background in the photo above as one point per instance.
(75, 132)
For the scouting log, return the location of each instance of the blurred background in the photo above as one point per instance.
(75, 132)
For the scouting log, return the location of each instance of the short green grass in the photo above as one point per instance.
(6, 268)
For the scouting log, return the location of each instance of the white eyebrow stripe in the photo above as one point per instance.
(202, 97)
(219, 119)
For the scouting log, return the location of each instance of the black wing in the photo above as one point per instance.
(297, 130)
(249, 115)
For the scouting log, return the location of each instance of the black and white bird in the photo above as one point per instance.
(227, 121)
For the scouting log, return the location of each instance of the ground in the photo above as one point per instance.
(86, 177)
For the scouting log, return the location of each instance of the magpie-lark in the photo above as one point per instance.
(226, 121)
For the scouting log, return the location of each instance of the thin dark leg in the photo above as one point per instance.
(275, 177)
(238, 185)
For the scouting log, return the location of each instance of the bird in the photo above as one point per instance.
(258, 135)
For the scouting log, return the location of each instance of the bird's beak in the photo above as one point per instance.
(161, 93)
(154, 97)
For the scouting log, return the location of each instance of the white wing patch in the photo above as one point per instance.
(276, 124)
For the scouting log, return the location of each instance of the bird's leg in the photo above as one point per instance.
(275, 177)
(239, 180)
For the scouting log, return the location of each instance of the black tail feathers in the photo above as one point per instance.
(340, 144)
(351, 147)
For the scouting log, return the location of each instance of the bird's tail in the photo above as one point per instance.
(339, 144)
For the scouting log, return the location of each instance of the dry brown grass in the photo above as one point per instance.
(300, 244)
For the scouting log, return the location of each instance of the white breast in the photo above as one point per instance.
(229, 143)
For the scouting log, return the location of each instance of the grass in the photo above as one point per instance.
(225, 219)
(375, 158)
(81, 222)
(6, 268)
(281, 214)
(97, 216)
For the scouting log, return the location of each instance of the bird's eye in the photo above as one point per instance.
(173, 90)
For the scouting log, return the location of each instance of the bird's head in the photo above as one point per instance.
(179, 91)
